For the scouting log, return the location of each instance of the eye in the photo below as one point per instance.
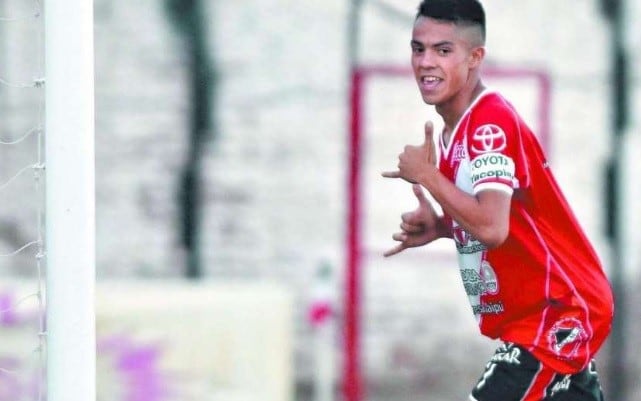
(417, 50)
(443, 51)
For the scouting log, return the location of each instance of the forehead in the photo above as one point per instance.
(429, 31)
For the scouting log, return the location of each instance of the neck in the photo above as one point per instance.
(452, 110)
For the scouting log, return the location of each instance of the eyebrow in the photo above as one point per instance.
(415, 42)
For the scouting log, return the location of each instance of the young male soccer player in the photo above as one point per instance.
(532, 277)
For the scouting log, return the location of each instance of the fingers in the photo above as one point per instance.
(420, 195)
(412, 221)
(429, 142)
(396, 174)
(391, 174)
(412, 228)
(402, 238)
(397, 249)
(429, 132)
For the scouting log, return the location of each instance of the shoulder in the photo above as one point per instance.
(492, 112)
(493, 103)
(494, 126)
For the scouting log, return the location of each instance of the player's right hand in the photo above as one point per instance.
(418, 227)
(415, 160)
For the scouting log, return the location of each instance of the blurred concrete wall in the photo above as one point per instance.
(281, 151)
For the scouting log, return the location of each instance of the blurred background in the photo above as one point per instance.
(240, 213)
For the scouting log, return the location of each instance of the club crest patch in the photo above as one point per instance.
(566, 336)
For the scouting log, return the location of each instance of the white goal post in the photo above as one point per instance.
(70, 206)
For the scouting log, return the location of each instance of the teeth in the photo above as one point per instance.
(430, 79)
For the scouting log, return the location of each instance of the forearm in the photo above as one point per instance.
(483, 220)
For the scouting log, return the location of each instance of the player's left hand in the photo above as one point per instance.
(418, 227)
(415, 159)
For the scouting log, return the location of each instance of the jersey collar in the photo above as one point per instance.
(445, 149)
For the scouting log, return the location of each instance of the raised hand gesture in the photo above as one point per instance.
(414, 160)
(418, 227)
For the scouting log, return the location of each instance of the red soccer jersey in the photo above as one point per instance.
(544, 287)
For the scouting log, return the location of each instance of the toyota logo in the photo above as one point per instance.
(488, 138)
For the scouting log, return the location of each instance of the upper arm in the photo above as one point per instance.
(496, 149)
(498, 165)
(495, 206)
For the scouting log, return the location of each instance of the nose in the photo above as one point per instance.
(424, 60)
(427, 59)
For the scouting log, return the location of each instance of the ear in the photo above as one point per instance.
(476, 57)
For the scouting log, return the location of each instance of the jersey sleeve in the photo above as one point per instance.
(494, 146)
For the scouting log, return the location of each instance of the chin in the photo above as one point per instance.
(430, 100)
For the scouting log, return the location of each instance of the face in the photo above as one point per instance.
(443, 56)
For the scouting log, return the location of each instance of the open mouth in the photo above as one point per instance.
(430, 82)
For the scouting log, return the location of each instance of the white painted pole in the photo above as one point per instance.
(70, 204)
(323, 321)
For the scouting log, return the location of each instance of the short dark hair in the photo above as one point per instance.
(460, 12)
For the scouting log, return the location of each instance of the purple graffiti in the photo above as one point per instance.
(138, 367)
(8, 316)
(10, 386)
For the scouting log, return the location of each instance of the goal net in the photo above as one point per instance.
(22, 289)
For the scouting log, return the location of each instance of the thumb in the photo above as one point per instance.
(420, 195)
(429, 132)
(429, 142)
